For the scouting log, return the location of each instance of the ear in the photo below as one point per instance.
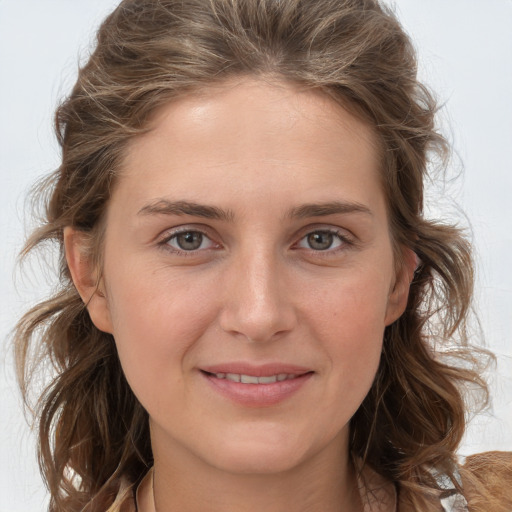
(86, 278)
(397, 300)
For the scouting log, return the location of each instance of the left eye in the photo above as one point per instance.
(321, 241)
(189, 241)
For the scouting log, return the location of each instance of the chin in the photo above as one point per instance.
(257, 455)
(258, 462)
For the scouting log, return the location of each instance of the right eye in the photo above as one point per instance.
(188, 241)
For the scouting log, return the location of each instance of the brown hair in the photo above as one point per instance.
(93, 433)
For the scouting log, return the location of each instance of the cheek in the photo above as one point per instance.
(350, 319)
(353, 306)
(156, 323)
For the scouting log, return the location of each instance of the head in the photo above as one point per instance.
(151, 55)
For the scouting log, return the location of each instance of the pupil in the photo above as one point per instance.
(320, 241)
(189, 241)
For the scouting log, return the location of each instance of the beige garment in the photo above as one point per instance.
(490, 473)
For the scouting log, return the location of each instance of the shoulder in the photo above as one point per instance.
(487, 481)
(490, 464)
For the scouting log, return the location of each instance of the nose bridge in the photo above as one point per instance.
(258, 304)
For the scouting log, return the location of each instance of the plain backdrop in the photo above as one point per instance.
(465, 53)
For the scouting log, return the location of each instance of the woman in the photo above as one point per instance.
(253, 311)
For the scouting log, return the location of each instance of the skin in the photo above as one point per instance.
(256, 290)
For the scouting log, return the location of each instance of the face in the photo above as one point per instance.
(249, 275)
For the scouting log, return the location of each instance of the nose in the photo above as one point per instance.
(258, 302)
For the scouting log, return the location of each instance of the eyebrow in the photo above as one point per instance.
(329, 208)
(166, 207)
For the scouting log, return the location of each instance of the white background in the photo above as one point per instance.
(465, 49)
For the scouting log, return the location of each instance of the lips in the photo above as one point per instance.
(256, 386)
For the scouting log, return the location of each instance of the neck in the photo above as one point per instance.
(325, 482)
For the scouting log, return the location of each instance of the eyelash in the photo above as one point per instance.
(344, 242)
(165, 242)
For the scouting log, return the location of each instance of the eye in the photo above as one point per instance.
(322, 240)
(187, 241)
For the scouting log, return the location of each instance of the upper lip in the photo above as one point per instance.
(263, 370)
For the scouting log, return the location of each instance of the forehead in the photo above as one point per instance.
(256, 133)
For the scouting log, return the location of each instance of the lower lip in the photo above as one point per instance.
(257, 395)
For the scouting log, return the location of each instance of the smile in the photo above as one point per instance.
(252, 379)
(249, 390)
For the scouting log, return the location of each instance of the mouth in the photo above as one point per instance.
(261, 387)
(254, 379)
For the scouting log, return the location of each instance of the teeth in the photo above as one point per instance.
(251, 379)
(248, 379)
(267, 380)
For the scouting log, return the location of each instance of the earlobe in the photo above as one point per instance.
(397, 300)
(85, 276)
